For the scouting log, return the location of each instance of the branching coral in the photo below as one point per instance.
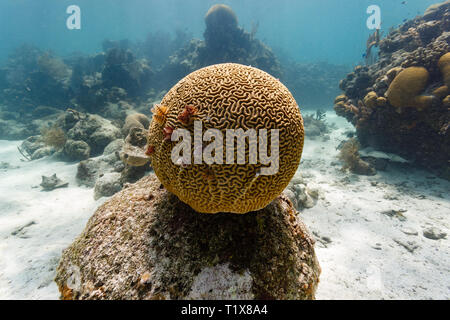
(221, 27)
(372, 41)
(316, 124)
(352, 161)
(410, 114)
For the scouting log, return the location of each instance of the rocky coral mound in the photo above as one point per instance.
(146, 244)
(72, 135)
(400, 103)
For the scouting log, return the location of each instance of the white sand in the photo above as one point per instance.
(364, 259)
(28, 260)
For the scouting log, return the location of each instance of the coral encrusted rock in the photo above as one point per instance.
(227, 96)
(144, 243)
(411, 79)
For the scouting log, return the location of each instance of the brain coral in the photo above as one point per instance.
(226, 96)
(405, 89)
(221, 15)
(444, 66)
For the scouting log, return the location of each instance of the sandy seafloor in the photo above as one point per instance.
(363, 253)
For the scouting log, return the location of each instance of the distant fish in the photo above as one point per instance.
(404, 20)
(364, 55)
(404, 2)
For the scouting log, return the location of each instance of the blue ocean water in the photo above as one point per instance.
(307, 31)
(368, 186)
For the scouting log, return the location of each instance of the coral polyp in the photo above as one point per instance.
(159, 113)
(187, 114)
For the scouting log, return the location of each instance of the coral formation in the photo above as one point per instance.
(53, 136)
(371, 99)
(312, 84)
(221, 16)
(404, 91)
(224, 42)
(352, 161)
(302, 194)
(76, 150)
(32, 78)
(228, 96)
(135, 120)
(146, 244)
(316, 125)
(372, 41)
(444, 66)
(53, 66)
(446, 101)
(433, 12)
(410, 82)
(96, 131)
(133, 151)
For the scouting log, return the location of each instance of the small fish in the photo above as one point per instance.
(364, 55)
(404, 2)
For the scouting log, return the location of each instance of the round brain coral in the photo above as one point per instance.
(444, 66)
(221, 15)
(405, 89)
(227, 96)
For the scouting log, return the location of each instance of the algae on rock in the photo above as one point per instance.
(146, 244)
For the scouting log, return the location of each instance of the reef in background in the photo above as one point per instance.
(313, 85)
(401, 102)
(224, 41)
